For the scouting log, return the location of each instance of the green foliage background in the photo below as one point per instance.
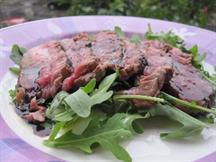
(195, 12)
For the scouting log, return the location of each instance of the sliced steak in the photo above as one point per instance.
(44, 66)
(78, 50)
(156, 74)
(121, 53)
(186, 82)
(149, 85)
(92, 58)
(43, 69)
(171, 69)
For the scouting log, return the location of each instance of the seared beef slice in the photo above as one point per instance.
(157, 73)
(43, 69)
(83, 62)
(121, 53)
(91, 58)
(186, 82)
(171, 69)
(44, 66)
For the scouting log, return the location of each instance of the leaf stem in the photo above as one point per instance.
(186, 104)
(139, 97)
(166, 98)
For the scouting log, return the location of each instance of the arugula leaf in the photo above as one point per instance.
(119, 32)
(80, 125)
(90, 86)
(12, 94)
(66, 106)
(56, 128)
(169, 37)
(17, 54)
(135, 39)
(106, 83)
(56, 106)
(15, 70)
(197, 58)
(58, 110)
(210, 78)
(211, 117)
(107, 134)
(197, 62)
(207, 118)
(100, 95)
(117, 150)
(191, 126)
(64, 116)
(80, 103)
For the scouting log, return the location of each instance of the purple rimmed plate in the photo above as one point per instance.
(18, 143)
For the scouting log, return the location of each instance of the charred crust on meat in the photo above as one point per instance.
(143, 62)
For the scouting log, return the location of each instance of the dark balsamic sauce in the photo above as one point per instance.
(40, 130)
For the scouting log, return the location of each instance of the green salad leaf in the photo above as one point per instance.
(64, 116)
(106, 133)
(80, 125)
(102, 94)
(90, 86)
(80, 103)
(119, 32)
(17, 54)
(106, 83)
(197, 58)
(197, 62)
(56, 106)
(166, 37)
(12, 94)
(65, 106)
(55, 130)
(135, 39)
(191, 126)
(211, 117)
(15, 70)
(210, 78)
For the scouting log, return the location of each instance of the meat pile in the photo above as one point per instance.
(70, 63)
